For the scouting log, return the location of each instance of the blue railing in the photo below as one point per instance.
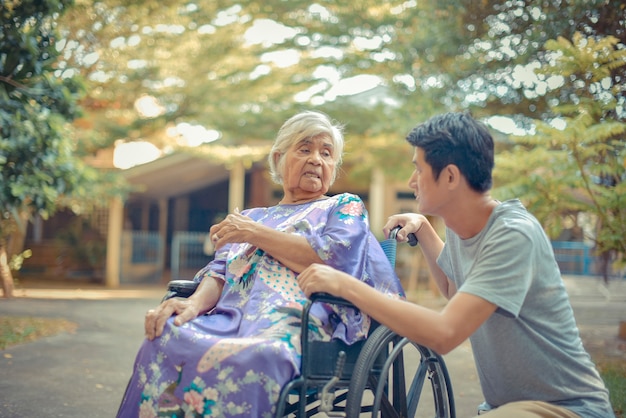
(574, 257)
(141, 257)
(187, 254)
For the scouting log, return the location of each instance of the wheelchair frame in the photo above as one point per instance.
(338, 379)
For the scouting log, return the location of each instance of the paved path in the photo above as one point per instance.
(72, 375)
(84, 374)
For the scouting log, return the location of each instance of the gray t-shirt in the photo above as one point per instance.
(530, 348)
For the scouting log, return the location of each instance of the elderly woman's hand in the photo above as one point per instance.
(235, 228)
(184, 309)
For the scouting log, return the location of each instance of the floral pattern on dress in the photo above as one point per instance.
(353, 207)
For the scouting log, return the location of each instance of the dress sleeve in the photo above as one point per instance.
(342, 242)
(216, 267)
(347, 244)
(339, 237)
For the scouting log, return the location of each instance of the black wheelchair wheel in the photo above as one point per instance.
(390, 376)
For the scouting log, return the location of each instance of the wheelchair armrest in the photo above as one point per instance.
(328, 298)
(180, 288)
(319, 297)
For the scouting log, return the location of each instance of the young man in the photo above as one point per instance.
(498, 271)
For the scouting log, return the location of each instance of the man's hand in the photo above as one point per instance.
(410, 223)
(322, 278)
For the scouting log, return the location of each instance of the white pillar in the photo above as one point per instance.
(236, 186)
(377, 202)
(114, 242)
(163, 215)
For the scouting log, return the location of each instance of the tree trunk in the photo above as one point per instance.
(605, 265)
(5, 272)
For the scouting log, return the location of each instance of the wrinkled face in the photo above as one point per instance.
(309, 168)
(425, 188)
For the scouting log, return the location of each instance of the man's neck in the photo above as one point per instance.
(469, 215)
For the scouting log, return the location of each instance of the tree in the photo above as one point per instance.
(192, 60)
(38, 171)
(200, 64)
(500, 43)
(576, 162)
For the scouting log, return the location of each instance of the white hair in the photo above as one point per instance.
(304, 125)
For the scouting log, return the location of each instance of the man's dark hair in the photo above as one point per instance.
(457, 138)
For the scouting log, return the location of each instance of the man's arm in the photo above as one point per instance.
(441, 331)
(429, 241)
(431, 246)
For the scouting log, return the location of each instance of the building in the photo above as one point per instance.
(158, 232)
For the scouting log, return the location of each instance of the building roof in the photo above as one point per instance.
(173, 175)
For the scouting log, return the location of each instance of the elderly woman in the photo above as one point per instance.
(229, 348)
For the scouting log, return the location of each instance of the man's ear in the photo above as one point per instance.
(452, 176)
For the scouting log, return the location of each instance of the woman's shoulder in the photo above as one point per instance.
(344, 198)
(350, 206)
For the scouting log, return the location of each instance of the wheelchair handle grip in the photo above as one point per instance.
(411, 237)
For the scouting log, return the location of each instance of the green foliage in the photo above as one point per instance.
(613, 372)
(34, 107)
(581, 165)
(195, 60)
(39, 170)
(431, 56)
(24, 329)
(191, 57)
(85, 244)
(492, 67)
(18, 259)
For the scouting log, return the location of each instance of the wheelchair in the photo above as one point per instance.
(384, 375)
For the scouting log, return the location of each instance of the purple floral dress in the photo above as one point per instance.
(235, 360)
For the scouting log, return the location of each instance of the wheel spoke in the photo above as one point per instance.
(394, 370)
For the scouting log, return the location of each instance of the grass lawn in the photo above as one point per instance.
(613, 372)
(16, 330)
